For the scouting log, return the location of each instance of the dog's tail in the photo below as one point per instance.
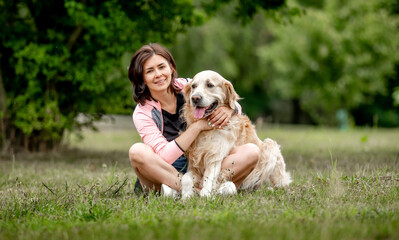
(280, 178)
(275, 169)
(270, 168)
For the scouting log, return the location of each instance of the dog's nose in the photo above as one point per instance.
(196, 98)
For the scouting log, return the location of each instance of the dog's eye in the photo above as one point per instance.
(210, 85)
(194, 86)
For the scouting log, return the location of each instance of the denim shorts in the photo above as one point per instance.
(180, 164)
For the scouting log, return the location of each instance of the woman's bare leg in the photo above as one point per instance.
(241, 161)
(152, 170)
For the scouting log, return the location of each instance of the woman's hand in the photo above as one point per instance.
(220, 117)
(203, 125)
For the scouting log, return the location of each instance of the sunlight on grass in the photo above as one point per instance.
(108, 140)
(116, 134)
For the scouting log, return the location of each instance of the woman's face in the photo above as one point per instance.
(157, 74)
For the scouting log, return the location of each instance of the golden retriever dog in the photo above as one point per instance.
(207, 91)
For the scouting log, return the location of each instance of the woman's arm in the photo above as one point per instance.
(191, 133)
(152, 136)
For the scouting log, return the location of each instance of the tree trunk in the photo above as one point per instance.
(74, 36)
(4, 143)
(296, 111)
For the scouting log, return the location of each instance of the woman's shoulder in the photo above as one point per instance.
(146, 108)
(180, 82)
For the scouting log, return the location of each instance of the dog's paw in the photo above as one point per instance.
(205, 193)
(227, 188)
(187, 195)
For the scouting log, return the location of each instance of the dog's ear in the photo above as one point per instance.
(187, 92)
(231, 95)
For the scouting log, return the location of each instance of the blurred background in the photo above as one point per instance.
(310, 62)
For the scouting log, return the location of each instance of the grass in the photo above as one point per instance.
(346, 186)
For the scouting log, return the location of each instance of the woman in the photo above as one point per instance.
(159, 161)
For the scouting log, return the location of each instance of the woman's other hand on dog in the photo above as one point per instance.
(220, 117)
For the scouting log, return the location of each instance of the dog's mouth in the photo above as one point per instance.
(201, 112)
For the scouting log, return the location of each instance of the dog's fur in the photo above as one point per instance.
(209, 90)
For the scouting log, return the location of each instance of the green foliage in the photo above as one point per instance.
(231, 49)
(245, 10)
(225, 46)
(62, 58)
(302, 66)
(333, 58)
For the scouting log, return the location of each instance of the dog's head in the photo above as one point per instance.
(206, 92)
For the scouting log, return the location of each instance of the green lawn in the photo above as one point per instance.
(346, 186)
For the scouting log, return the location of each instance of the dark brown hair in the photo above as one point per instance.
(141, 93)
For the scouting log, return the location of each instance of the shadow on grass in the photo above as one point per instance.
(70, 156)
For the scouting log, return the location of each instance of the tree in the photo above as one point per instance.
(335, 57)
(62, 58)
(230, 48)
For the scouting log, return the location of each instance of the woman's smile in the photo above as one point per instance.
(160, 82)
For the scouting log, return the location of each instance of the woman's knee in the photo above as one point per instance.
(252, 151)
(138, 152)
